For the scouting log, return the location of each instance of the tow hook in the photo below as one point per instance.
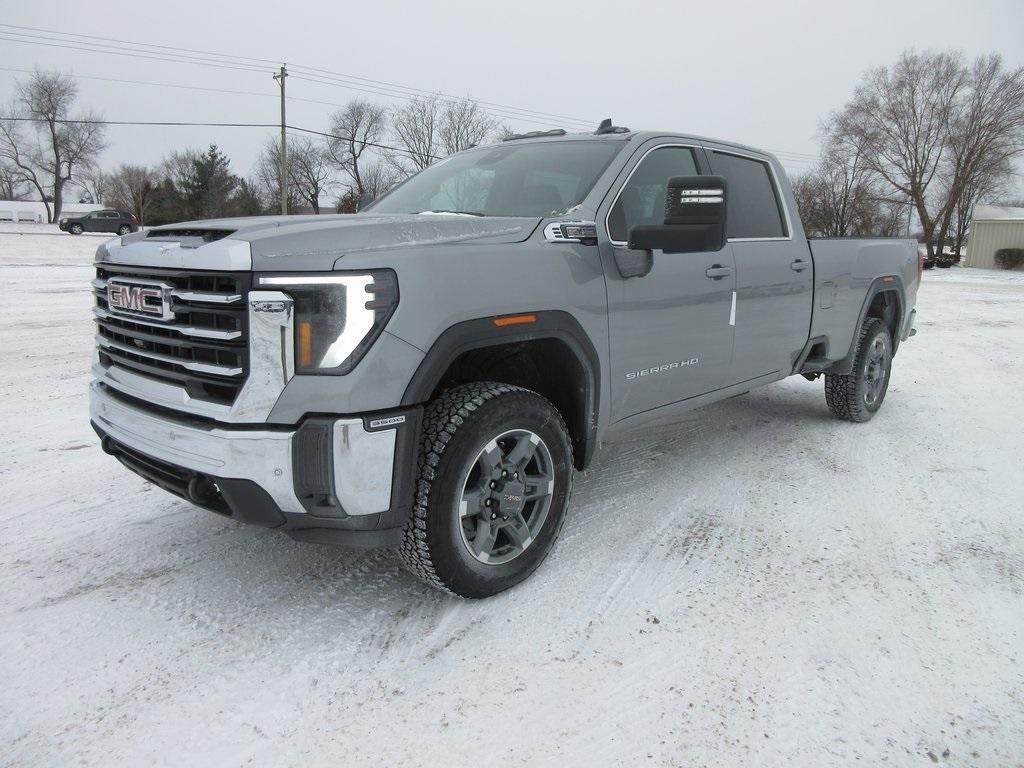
(201, 490)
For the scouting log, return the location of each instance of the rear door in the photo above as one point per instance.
(109, 221)
(774, 273)
(669, 331)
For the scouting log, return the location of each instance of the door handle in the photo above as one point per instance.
(717, 272)
(799, 265)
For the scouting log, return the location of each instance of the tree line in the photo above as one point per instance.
(365, 149)
(922, 140)
(926, 139)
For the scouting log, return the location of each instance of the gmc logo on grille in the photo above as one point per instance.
(140, 298)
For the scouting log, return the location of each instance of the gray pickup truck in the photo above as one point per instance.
(428, 374)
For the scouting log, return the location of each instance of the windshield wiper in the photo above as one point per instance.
(452, 213)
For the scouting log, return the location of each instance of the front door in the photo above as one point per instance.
(669, 331)
(774, 273)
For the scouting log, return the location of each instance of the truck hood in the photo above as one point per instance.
(307, 242)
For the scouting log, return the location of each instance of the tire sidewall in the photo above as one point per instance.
(75, 229)
(862, 384)
(452, 561)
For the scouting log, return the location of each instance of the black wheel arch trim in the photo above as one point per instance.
(481, 332)
(882, 284)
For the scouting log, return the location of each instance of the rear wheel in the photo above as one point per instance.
(495, 477)
(857, 396)
(123, 230)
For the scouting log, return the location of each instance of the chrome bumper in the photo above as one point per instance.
(363, 461)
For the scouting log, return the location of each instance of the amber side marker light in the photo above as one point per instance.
(504, 322)
(305, 344)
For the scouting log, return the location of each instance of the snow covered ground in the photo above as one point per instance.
(757, 584)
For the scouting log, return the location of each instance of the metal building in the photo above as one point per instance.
(992, 229)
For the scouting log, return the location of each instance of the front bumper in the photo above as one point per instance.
(337, 479)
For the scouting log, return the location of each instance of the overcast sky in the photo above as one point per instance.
(758, 72)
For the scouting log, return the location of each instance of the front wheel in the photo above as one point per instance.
(857, 396)
(494, 481)
(75, 229)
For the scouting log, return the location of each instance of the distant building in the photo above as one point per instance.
(30, 210)
(992, 229)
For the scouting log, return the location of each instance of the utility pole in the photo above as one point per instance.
(283, 170)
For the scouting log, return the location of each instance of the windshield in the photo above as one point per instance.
(535, 179)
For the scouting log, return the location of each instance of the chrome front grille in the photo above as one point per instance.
(202, 348)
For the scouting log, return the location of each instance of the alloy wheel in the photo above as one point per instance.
(506, 496)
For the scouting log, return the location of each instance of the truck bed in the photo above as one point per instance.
(845, 271)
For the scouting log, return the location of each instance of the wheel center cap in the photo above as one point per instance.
(512, 498)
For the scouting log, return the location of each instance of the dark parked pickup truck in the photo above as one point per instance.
(428, 373)
(115, 222)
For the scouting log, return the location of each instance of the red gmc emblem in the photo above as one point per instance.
(138, 298)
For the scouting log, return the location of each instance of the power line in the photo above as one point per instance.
(132, 55)
(146, 45)
(330, 78)
(408, 97)
(161, 85)
(317, 72)
(400, 92)
(177, 85)
(187, 124)
(327, 77)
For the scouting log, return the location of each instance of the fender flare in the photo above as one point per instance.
(881, 284)
(482, 332)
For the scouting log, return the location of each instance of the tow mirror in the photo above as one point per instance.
(694, 218)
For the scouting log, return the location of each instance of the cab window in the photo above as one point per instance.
(642, 199)
(753, 206)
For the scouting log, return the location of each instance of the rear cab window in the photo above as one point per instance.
(754, 206)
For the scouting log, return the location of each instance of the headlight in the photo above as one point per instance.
(337, 316)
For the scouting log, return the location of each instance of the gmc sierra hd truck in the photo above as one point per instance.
(428, 374)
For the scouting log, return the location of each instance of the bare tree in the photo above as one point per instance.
(842, 197)
(60, 146)
(986, 136)
(835, 193)
(16, 149)
(133, 188)
(96, 184)
(929, 126)
(310, 171)
(378, 178)
(464, 124)
(268, 173)
(355, 129)
(12, 183)
(416, 127)
(898, 122)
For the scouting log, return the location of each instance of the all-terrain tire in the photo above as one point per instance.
(858, 396)
(456, 427)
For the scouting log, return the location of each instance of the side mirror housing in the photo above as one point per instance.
(695, 211)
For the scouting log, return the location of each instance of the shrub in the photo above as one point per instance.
(1010, 258)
